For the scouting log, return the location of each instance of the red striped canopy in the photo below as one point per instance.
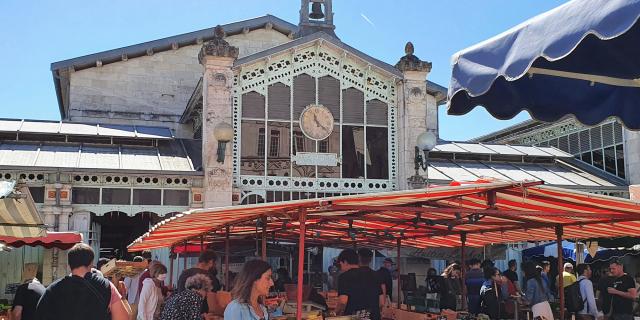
(60, 240)
(485, 212)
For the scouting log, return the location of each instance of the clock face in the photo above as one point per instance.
(316, 122)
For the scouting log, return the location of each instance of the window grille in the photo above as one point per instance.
(261, 142)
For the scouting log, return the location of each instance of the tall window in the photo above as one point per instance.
(261, 141)
(274, 146)
(323, 146)
(298, 142)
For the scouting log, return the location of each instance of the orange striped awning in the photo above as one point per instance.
(486, 212)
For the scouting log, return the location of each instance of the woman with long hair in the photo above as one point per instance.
(451, 287)
(249, 291)
(537, 294)
(151, 294)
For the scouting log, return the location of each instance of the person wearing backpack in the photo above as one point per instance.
(589, 310)
(83, 294)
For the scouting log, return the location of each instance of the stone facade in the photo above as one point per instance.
(151, 90)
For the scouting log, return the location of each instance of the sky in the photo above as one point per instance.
(36, 33)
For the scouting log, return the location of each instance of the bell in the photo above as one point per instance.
(316, 11)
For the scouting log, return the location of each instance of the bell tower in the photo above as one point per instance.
(316, 15)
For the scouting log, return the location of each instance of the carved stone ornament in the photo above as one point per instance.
(218, 47)
(412, 63)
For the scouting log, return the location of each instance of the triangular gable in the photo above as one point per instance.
(319, 55)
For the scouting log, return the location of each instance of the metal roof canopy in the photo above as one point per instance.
(84, 129)
(485, 212)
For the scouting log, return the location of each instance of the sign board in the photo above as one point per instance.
(315, 159)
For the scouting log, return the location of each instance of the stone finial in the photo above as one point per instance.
(218, 47)
(412, 63)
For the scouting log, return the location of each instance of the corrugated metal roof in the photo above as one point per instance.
(501, 149)
(168, 156)
(554, 174)
(84, 129)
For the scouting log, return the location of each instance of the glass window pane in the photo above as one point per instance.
(597, 159)
(252, 146)
(302, 144)
(610, 160)
(586, 157)
(279, 159)
(330, 145)
(620, 160)
(176, 197)
(116, 196)
(85, 195)
(37, 193)
(377, 151)
(353, 152)
(146, 196)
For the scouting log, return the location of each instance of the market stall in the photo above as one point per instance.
(459, 215)
(18, 214)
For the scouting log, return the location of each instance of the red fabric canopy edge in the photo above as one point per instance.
(60, 240)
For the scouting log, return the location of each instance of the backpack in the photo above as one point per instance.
(573, 300)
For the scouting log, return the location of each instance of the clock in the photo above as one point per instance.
(316, 122)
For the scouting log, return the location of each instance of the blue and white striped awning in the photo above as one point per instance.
(18, 214)
(578, 59)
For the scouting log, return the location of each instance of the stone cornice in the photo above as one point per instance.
(412, 63)
(218, 47)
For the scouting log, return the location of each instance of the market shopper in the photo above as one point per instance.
(491, 293)
(622, 292)
(357, 294)
(249, 292)
(474, 280)
(283, 278)
(207, 266)
(187, 304)
(511, 273)
(131, 285)
(604, 298)
(83, 294)
(590, 310)
(537, 294)
(365, 256)
(546, 268)
(451, 287)
(27, 294)
(568, 278)
(384, 273)
(151, 296)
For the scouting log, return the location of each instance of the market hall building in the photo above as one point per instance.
(260, 110)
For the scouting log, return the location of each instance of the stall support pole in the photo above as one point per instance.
(463, 242)
(171, 258)
(201, 243)
(226, 260)
(264, 239)
(559, 232)
(184, 262)
(302, 218)
(399, 244)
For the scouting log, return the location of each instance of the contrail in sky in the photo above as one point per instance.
(367, 19)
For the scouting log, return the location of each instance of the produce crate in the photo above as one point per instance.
(122, 268)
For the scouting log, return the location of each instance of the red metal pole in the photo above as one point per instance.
(226, 261)
(264, 239)
(171, 258)
(399, 243)
(463, 241)
(303, 220)
(184, 259)
(559, 232)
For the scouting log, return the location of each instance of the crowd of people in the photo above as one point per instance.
(495, 293)
(86, 294)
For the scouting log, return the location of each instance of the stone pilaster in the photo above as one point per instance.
(217, 58)
(418, 111)
(56, 212)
